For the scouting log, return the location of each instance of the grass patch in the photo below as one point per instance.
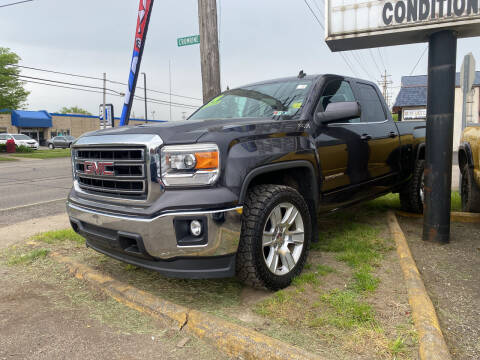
(59, 236)
(456, 201)
(364, 281)
(305, 278)
(45, 154)
(323, 270)
(349, 310)
(27, 258)
(397, 346)
(3, 158)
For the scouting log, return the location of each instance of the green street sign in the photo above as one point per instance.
(189, 40)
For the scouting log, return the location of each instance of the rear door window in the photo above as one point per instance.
(372, 108)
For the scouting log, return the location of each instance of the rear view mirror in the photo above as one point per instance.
(339, 111)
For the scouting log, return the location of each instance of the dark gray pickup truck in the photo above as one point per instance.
(237, 187)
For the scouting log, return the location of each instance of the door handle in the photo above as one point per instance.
(392, 134)
(365, 137)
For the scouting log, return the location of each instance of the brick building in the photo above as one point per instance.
(41, 125)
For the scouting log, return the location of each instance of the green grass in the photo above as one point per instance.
(305, 278)
(349, 309)
(45, 154)
(364, 281)
(456, 201)
(59, 236)
(397, 346)
(323, 270)
(2, 158)
(27, 258)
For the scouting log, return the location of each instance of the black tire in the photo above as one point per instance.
(469, 191)
(251, 264)
(51, 146)
(411, 198)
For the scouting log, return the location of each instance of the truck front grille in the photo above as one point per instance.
(112, 171)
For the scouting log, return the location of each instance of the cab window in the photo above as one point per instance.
(337, 91)
(372, 108)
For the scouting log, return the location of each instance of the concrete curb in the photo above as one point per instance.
(230, 338)
(432, 343)
(456, 216)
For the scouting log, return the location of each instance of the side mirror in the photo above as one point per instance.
(339, 111)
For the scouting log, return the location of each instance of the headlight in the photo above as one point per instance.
(197, 164)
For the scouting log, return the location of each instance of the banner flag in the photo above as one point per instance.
(144, 12)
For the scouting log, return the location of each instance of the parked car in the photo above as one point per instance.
(469, 163)
(60, 142)
(237, 187)
(20, 140)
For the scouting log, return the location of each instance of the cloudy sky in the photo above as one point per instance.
(258, 40)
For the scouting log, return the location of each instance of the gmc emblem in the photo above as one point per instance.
(97, 168)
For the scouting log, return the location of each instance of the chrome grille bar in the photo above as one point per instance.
(111, 171)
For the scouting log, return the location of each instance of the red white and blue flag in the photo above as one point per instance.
(144, 12)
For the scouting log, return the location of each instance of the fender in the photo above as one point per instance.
(280, 166)
(465, 147)
(420, 147)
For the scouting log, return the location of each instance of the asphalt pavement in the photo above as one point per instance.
(33, 188)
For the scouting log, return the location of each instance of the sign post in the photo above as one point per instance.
(467, 77)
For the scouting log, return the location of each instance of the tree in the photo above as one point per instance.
(12, 92)
(74, 110)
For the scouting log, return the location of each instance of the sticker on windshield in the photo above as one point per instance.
(214, 101)
(279, 113)
(302, 86)
(297, 105)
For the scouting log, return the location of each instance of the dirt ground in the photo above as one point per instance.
(350, 302)
(452, 278)
(45, 314)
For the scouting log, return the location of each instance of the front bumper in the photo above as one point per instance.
(155, 243)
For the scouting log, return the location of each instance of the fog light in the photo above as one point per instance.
(195, 228)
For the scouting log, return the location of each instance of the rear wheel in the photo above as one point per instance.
(276, 232)
(412, 195)
(50, 146)
(469, 191)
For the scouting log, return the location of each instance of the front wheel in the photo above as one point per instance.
(469, 191)
(275, 238)
(51, 147)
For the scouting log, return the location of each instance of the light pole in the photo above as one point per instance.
(145, 92)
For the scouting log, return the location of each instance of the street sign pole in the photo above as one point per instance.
(467, 76)
(442, 54)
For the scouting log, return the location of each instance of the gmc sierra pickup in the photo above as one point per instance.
(469, 163)
(237, 187)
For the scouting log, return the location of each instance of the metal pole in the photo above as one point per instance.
(465, 91)
(442, 55)
(102, 125)
(145, 93)
(209, 53)
(170, 82)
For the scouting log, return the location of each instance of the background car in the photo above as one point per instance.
(60, 142)
(20, 140)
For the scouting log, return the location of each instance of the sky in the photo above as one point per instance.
(259, 40)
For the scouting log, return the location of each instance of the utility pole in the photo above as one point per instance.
(102, 124)
(145, 93)
(385, 82)
(170, 85)
(209, 54)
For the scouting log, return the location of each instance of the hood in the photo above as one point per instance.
(190, 131)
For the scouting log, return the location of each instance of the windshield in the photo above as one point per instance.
(281, 100)
(21, 137)
(69, 137)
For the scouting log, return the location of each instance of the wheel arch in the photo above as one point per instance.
(465, 156)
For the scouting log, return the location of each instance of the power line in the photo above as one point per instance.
(15, 3)
(381, 58)
(99, 79)
(313, 13)
(420, 58)
(375, 61)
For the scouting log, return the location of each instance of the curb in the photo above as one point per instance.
(456, 216)
(230, 338)
(432, 344)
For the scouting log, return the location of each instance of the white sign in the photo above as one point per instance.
(357, 24)
(414, 114)
(108, 123)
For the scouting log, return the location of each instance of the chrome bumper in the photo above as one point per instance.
(158, 234)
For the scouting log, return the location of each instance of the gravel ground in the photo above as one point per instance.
(451, 276)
